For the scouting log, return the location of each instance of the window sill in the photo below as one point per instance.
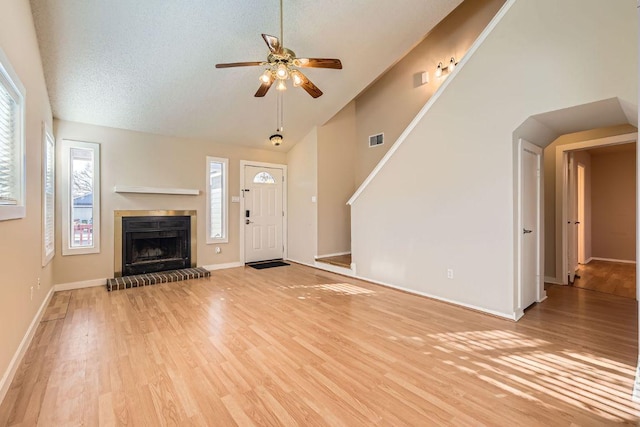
(8, 212)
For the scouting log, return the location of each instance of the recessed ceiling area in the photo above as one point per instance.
(149, 65)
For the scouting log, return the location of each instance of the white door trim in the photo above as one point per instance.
(539, 229)
(562, 191)
(244, 163)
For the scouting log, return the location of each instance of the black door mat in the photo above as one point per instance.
(268, 264)
(153, 278)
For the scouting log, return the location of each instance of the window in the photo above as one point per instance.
(12, 181)
(217, 200)
(263, 178)
(48, 195)
(80, 197)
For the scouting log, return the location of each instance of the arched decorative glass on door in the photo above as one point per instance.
(263, 178)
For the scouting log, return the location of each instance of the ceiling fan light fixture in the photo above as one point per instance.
(266, 76)
(282, 73)
(297, 79)
(281, 85)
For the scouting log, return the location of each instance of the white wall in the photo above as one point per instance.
(445, 199)
(302, 169)
(21, 239)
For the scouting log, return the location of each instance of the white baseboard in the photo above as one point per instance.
(333, 268)
(552, 280)
(5, 382)
(625, 261)
(512, 316)
(508, 316)
(213, 267)
(335, 254)
(80, 285)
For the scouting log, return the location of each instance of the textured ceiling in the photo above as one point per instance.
(148, 65)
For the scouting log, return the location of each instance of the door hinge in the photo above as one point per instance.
(283, 179)
(282, 213)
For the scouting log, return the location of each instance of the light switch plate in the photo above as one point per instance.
(235, 199)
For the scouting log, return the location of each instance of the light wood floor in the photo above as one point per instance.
(615, 278)
(297, 346)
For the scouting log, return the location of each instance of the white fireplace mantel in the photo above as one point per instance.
(155, 190)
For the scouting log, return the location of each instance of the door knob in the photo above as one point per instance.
(525, 231)
(246, 221)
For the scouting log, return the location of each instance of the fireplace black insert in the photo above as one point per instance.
(155, 243)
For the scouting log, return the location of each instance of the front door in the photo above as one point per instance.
(263, 213)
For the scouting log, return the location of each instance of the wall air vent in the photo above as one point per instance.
(375, 140)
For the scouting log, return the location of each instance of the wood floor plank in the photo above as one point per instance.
(298, 346)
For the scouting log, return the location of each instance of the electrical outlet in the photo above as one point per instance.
(218, 250)
(450, 273)
(38, 283)
(32, 293)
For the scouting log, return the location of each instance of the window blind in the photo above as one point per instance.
(8, 148)
(49, 196)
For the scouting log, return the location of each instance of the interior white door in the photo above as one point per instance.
(572, 220)
(530, 192)
(263, 216)
(581, 214)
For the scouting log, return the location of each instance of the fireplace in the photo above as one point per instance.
(152, 241)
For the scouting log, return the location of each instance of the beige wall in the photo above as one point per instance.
(445, 199)
(390, 103)
(142, 159)
(551, 211)
(21, 241)
(302, 163)
(336, 181)
(613, 206)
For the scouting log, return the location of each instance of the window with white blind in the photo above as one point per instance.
(48, 195)
(80, 197)
(217, 200)
(12, 182)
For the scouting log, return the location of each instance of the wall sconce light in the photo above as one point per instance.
(449, 68)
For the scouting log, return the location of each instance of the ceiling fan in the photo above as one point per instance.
(282, 64)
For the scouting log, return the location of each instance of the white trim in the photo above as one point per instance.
(155, 190)
(66, 198)
(10, 373)
(285, 209)
(513, 316)
(625, 261)
(552, 280)
(46, 134)
(13, 84)
(485, 33)
(508, 316)
(562, 190)
(80, 285)
(330, 255)
(225, 201)
(213, 267)
(333, 268)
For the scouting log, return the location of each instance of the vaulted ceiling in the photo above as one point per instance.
(148, 65)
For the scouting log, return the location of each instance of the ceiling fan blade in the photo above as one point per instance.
(319, 63)
(309, 86)
(273, 43)
(239, 64)
(263, 89)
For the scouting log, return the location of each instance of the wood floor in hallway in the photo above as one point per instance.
(298, 346)
(617, 278)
